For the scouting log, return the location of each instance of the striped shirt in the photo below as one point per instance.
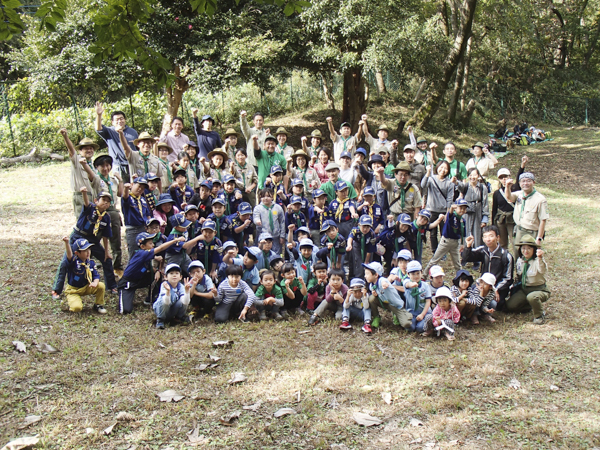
(227, 294)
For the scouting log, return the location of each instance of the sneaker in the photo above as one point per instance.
(147, 302)
(488, 318)
(192, 316)
(262, 315)
(114, 291)
(277, 316)
(55, 295)
(314, 319)
(186, 321)
(395, 320)
(367, 328)
(99, 309)
(300, 311)
(474, 319)
(540, 320)
(284, 314)
(160, 325)
(345, 325)
(375, 322)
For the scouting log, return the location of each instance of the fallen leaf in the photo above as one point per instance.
(514, 383)
(416, 422)
(109, 430)
(29, 420)
(196, 439)
(430, 444)
(21, 443)
(89, 431)
(214, 358)
(284, 412)
(170, 396)
(554, 387)
(222, 344)
(203, 367)
(453, 442)
(305, 332)
(20, 347)
(161, 345)
(416, 441)
(365, 419)
(367, 388)
(46, 348)
(238, 377)
(253, 407)
(230, 418)
(387, 397)
(125, 417)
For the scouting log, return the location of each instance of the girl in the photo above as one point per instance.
(482, 159)
(440, 195)
(294, 290)
(192, 150)
(218, 164)
(165, 208)
(475, 193)
(445, 313)
(269, 296)
(323, 156)
(462, 289)
(298, 168)
(183, 163)
(530, 291)
(167, 174)
(245, 176)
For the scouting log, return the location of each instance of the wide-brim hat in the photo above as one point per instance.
(402, 166)
(231, 132)
(145, 136)
(300, 152)
(479, 144)
(421, 139)
(459, 274)
(87, 142)
(316, 134)
(527, 239)
(164, 198)
(375, 158)
(99, 160)
(164, 145)
(383, 127)
(281, 130)
(218, 151)
(207, 117)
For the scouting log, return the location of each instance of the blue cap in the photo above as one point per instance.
(425, 213)
(413, 266)
(346, 154)
(357, 283)
(328, 224)
(207, 117)
(178, 172)
(171, 267)
(405, 254)
(297, 182)
(340, 185)
(228, 178)
(207, 184)
(216, 181)
(219, 199)
(151, 176)
(142, 237)
(375, 267)
(253, 251)
(164, 198)
(228, 244)
(365, 220)
(151, 220)
(461, 202)
(244, 208)
(195, 264)
(303, 229)
(189, 208)
(275, 258)
(141, 180)
(81, 244)
(179, 220)
(404, 219)
(368, 190)
(362, 151)
(209, 224)
(193, 144)
(375, 158)
(295, 199)
(265, 236)
(276, 169)
(318, 193)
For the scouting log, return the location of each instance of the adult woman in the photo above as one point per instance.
(475, 193)
(298, 168)
(440, 195)
(324, 156)
(482, 159)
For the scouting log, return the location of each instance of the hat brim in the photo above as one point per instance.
(168, 147)
(219, 152)
(98, 160)
(138, 140)
(300, 154)
(80, 146)
(371, 162)
(84, 248)
(535, 244)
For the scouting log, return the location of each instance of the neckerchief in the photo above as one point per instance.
(340, 208)
(168, 170)
(296, 216)
(303, 172)
(306, 266)
(271, 221)
(403, 189)
(415, 294)
(139, 203)
(98, 216)
(145, 159)
(266, 256)
(420, 233)
(243, 171)
(182, 189)
(218, 223)
(218, 171)
(462, 225)
(109, 184)
(332, 252)
(524, 199)
(345, 141)
(227, 205)
(194, 164)
(282, 148)
(363, 245)
(524, 274)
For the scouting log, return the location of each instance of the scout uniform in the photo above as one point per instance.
(80, 274)
(403, 199)
(338, 248)
(140, 164)
(529, 212)
(166, 177)
(135, 212)
(362, 244)
(223, 226)
(340, 210)
(178, 194)
(286, 150)
(79, 177)
(176, 254)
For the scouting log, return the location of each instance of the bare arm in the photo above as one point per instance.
(124, 143)
(68, 143)
(99, 111)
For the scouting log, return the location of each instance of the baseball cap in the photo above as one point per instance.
(328, 224)
(207, 184)
(306, 243)
(179, 220)
(191, 207)
(504, 171)
(228, 244)
(461, 202)
(362, 151)
(253, 251)
(295, 199)
(297, 182)
(244, 208)
(444, 292)
(436, 271)
(195, 264)
(404, 219)
(365, 220)
(228, 178)
(143, 237)
(413, 266)
(276, 169)
(81, 244)
(375, 267)
(356, 283)
(340, 185)
(151, 220)
(265, 236)
(219, 199)
(209, 224)
(171, 267)
(346, 154)
(368, 190)
(405, 254)
(318, 193)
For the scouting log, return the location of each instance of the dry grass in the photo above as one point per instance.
(459, 391)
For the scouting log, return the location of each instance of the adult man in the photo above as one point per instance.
(403, 196)
(143, 162)
(531, 209)
(458, 171)
(417, 170)
(382, 133)
(333, 172)
(266, 158)
(175, 139)
(343, 142)
(111, 137)
(206, 137)
(258, 131)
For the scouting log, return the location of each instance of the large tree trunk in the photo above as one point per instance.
(465, 83)
(354, 100)
(592, 42)
(425, 113)
(174, 93)
(420, 90)
(458, 80)
(36, 155)
(380, 84)
(327, 82)
(466, 118)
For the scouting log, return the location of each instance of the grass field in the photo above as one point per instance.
(459, 392)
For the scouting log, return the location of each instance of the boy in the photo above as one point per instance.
(453, 235)
(203, 200)
(234, 297)
(83, 278)
(436, 280)
(298, 190)
(316, 287)
(191, 213)
(275, 182)
(333, 243)
(343, 209)
(178, 253)
(356, 306)
(222, 223)
(361, 247)
(139, 272)
(142, 162)
(270, 218)
(209, 247)
(294, 218)
(483, 297)
(372, 209)
(247, 263)
(385, 295)
(153, 192)
(418, 296)
(335, 293)
(398, 274)
(135, 212)
(202, 291)
(317, 215)
(180, 192)
(242, 225)
(233, 196)
(265, 244)
(305, 260)
(173, 299)
(343, 142)
(420, 227)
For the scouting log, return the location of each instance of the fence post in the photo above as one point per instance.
(586, 112)
(291, 92)
(131, 109)
(76, 114)
(7, 112)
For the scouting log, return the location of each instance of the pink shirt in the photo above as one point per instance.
(439, 314)
(176, 143)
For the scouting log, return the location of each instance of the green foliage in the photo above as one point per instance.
(51, 13)
(10, 22)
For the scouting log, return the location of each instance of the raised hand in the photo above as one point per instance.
(99, 108)
(243, 113)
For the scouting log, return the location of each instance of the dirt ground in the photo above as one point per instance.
(439, 394)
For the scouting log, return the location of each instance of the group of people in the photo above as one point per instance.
(217, 230)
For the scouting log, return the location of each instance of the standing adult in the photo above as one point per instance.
(343, 142)
(502, 209)
(111, 137)
(403, 196)
(258, 131)
(458, 171)
(316, 138)
(382, 137)
(440, 195)
(206, 138)
(482, 159)
(175, 138)
(478, 211)
(266, 158)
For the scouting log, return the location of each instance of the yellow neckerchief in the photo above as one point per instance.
(97, 224)
(139, 202)
(340, 208)
(88, 272)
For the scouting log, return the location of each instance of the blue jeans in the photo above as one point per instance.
(167, 312)
(354, 313)
(419, 327)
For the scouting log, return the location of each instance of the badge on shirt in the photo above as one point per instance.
(238, 291)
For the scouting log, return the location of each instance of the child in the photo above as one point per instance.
(152, 192)
(343, 209)
(356, 306)
(484, 297)
(245, 176)
(270, 218)
(333, 243)
(248, 263)
(335, 293)
(165, 209)
(218, 164)
(385, 295)
(398, 274)
(83, 278)
(316, 287)
(370, 208)
(444, 314)
(269, 296)
(294, 218)
(139, 272)
(531, 292)
(294, 290)
(233, 196)
(265, 244)
(223, 224)
(135, 212)
(183, 163)
(436, 280)
(242, 225)
(180, 192)
(361, 246)
(276, 262)
(453, 235)
(275, 182)
(305, 260)
(317, 215)
(298, 191)
(203, 200)
(417, 295)
(420, 227)
(462, 289)
(191, 214)
(173, 299)
(234, 297)
(191, 148)
(209, 247)
(229, 252)
(395, 237)
(217, 186)
(178, 253)
(202, 291)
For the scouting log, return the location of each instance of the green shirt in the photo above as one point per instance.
(265, 161)
(329, 189)
(389, 170)
(295, 286)
(457, 169)
(276, 292)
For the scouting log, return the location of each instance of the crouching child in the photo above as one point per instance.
(173, 299)
(234, 297)
(356, 306)
(202, 291)
(444, 317)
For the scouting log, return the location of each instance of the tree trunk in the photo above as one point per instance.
(35, 155)
(327, 82)
(465, 83)
(458, 80)
(380, 84)
(425, 113)
(592, 42)
(443, 9)
(454, 14)
(174, 93)
(466, 118)
(420, 90)
(354, 101)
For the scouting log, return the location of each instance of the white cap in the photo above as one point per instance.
(375, 267)
(436, 271)
(413, 266)
(306, 243)
(405, 254)
(488, 278)
(444, 292)
(503, 171)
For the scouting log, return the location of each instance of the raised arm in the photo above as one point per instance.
(244, 125)
(99, 112)
(68, 143)
(68, 249)
(124, 143)
(332, 131)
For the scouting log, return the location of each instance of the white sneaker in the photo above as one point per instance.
(99, 309)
